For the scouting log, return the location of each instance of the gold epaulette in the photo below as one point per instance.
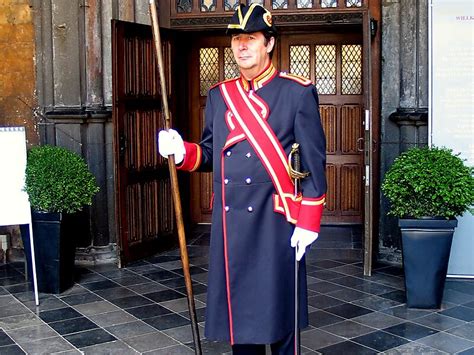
(222, 82)
(298, 78)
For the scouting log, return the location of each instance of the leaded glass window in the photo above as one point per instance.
(208, 69)
(351, 69)
(300, 60)
(304, 4)
(208, 5)
(231, 5)
(279, 4)
(184, 5)
(328, 3)
(353, 3)
(231, 69)
(325, 69)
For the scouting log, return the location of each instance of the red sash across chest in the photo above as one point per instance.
(247, 119)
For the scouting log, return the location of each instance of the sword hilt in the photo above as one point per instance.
(294, 163)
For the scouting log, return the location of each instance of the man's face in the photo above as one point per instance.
(251, 52)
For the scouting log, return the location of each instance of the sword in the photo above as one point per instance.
(294, 165)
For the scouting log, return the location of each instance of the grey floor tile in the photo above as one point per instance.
(23, 320)
(347, 347)
(112, 318)
(439, 321)
(81, 298)
(374, 288)
(172, 350)
(348, 294)
(148, 287)
(410, 331)
(414, 348)
(36, 332)
(464, 331)
(460, 312)
(129, 330)
(5, 339)
(148, 311)
(321, 318)
(14, 309)
(167, 321)
(467, 352)
(151, 341)
(446, 342)
(112, 348)
(11, 350)
(131, 301)
(377, 320)
(183, 334)
(316, 339)
(89, 338)
(347, 329)
(323, 301)
(47, 346)
(376, 303)
(347, 310)
(181, 304)
(402, 311)
(380, 340)
(89, 309)
(59, 314)
(74, 325)
(325, 287)
(456, 297)
(114, 293)
(45, 305)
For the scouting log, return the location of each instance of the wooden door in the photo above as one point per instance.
(143, 195)
(212, 61)
(334, 63)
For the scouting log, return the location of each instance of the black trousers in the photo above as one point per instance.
(285, 346)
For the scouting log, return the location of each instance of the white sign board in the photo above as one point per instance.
(452, 103)
(14, 204)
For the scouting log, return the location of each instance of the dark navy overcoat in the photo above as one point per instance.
(250, 297)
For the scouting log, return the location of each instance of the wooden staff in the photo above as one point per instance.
(174, 182)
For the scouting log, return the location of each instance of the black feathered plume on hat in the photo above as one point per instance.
(251, 18)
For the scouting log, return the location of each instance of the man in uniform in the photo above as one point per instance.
(251, 123)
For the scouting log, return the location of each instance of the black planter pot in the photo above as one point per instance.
(54, 250)
(426, 245)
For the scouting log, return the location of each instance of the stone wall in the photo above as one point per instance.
(404, 98)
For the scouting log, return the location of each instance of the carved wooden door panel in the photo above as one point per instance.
(211, 61)
(144, 212)
(334, 63)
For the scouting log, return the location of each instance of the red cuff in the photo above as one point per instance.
(311, 211)
(192, 158)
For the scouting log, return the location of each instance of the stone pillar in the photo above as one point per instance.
(404, 98)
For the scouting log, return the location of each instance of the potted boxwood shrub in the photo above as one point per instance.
(427, 188)
(59, 184)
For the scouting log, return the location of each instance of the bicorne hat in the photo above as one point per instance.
(251, 18)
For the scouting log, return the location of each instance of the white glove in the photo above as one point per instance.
(171, 143)
(300, 239)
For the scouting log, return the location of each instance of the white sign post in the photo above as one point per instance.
(451, 48)
(14, 203)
